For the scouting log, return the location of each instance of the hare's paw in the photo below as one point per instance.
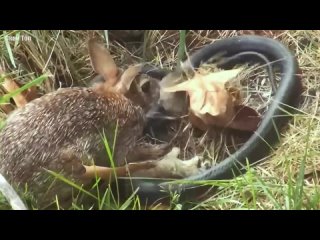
(205, 164)
(193, 162)
(174, 153)
(199, 163)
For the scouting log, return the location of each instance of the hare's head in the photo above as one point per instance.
(132, 83)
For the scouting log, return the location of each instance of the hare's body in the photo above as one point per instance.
(67, 132)
(67, 125)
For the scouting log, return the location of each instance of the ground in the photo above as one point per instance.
(288, 179)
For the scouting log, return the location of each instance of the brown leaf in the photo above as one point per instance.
(246, 119)
(207, 93)
(213, 103)
(6, 108)
(11, 85)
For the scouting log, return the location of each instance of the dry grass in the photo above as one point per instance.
(272, 185)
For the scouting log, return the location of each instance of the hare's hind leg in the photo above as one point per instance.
(84, 173)
(73, 167)
(109, 174)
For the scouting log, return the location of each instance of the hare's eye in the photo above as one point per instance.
(145, 87)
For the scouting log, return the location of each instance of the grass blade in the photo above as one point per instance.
(299, 187)
(182, 46)
(62, 178)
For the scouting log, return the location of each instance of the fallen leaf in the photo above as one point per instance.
(245, 119)
(213, 103)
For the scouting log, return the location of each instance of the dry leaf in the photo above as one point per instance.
(212, 103)
(245, 118)
(175, 103)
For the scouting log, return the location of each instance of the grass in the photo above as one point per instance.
(288, 179)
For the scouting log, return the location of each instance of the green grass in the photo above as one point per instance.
(288, 179)
(182, 46)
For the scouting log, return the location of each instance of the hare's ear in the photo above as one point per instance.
(102, 62)
(127, 78)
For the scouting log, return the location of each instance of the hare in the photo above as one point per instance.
(66, 131)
